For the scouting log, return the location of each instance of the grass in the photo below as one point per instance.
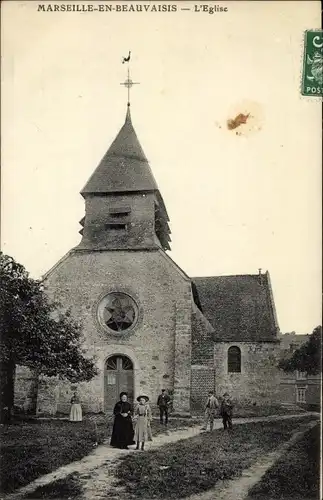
(302, 461)
(267, 410)
(32, 448)
(197, 464)
(67, 488)
(252, 410)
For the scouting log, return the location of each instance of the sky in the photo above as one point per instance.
(238, 200)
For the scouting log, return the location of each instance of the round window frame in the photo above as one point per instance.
(105, 328)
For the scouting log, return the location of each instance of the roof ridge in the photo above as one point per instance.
(226, 276)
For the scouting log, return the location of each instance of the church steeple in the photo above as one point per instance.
(124, 208)
(124, 167)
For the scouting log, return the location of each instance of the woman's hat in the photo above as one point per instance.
(123, 394)
(143, 397)
(226, 394)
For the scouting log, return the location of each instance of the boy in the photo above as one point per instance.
(226, 411)
(163, 403)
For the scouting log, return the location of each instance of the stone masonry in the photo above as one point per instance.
(158, 288)
(259, 377)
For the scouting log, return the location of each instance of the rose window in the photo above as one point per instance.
(117, 311)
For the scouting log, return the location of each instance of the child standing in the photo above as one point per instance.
(143, 419)
(226, 411)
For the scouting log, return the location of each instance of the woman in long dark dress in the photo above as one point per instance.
(122, 433)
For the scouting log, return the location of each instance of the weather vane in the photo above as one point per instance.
(128, 83)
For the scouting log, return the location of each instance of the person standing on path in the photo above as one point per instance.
(76, 409)
(226, 411)
(211, 407)
(163, 402)
(122, 433)
(143, 418)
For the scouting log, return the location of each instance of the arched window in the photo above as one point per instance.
(234, 360)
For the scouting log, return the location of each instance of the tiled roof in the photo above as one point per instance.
(124, 167)
(239, 308)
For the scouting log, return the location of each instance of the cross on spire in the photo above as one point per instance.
(128, 83)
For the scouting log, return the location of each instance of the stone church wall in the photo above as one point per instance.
(259, 378)
(182, 354)
(158, 287)
(202, 370)
(140, 232)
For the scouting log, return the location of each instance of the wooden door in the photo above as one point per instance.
(118, 377)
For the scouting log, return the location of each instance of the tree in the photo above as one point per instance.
(35, 332)
(307, 358)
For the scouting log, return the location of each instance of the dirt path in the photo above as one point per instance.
(237, 489)
(97, 469)
(101, 480)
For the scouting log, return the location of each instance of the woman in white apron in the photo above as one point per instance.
(76, 409)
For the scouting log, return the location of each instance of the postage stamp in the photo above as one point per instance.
(312, 78)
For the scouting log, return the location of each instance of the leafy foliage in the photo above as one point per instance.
(307, 358)
(35, 332)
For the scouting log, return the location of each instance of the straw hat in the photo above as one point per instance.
(143, 397)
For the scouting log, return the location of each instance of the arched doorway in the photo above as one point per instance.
(118, 377)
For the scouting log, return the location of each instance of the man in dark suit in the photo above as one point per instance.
(163, 404)
(226, 411)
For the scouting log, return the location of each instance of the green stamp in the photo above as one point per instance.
(312, 80)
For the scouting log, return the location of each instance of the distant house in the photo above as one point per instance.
(298, 387)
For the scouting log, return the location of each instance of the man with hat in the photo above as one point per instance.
(143, 418)
(210, 410)
(163, 402)
(226, 411)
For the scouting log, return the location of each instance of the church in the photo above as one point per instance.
(149, 325)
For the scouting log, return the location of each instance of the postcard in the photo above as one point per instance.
(161, 249)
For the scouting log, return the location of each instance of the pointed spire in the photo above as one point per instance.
(126, 144)
(124, 170)
(124, 167)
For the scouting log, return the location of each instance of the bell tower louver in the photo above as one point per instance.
(123, 205)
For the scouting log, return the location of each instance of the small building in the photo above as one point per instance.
(298, 388)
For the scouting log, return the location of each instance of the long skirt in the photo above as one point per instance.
(122, 432)
(142, 430)
(76, 413)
